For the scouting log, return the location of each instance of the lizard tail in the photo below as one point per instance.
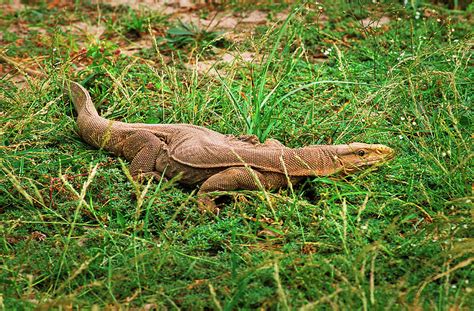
(81, 99)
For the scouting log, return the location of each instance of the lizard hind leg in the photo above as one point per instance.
(142, 149)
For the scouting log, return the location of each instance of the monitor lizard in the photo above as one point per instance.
(215, 161)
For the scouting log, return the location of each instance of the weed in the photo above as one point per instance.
(191, 38)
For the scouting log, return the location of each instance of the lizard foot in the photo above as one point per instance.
(207, 205)
(141, 177)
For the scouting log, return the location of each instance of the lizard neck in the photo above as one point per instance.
(317, 160)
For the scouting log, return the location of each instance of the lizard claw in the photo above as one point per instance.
(207, 205)
(145, 176)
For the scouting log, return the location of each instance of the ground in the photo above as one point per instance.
(77, 232)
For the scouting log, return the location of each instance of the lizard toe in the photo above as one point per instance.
(207, 205)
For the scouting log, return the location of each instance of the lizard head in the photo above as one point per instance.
(357, 156)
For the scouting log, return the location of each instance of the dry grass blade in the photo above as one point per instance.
(313, 305)
(281, 292)
(76, 272)
(81, 202)
(17, 184)
(214, 297)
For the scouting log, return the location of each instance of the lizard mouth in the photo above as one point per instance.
(387, 157)
(389, 152)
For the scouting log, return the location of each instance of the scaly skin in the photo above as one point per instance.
(216, 161)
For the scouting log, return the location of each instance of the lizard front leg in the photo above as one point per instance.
(236, 178)
(142, 149)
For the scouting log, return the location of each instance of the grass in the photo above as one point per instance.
(76, 233)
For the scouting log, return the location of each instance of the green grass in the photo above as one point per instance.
(75, 232)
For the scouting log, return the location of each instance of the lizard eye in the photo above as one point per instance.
(361, 153)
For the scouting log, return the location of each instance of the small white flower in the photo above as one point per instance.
(452, 29)
(327, 51)
(443, 154)
(453, 286)
(320, 8)
(464, 226)
(468, 201)
(401, 55)
(439, 20)
(466, 281)
(400, 136)
(414, 123)
(402, 118)
(456, 40)
(417, 15)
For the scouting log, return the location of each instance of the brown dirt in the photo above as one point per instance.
(237, 27)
